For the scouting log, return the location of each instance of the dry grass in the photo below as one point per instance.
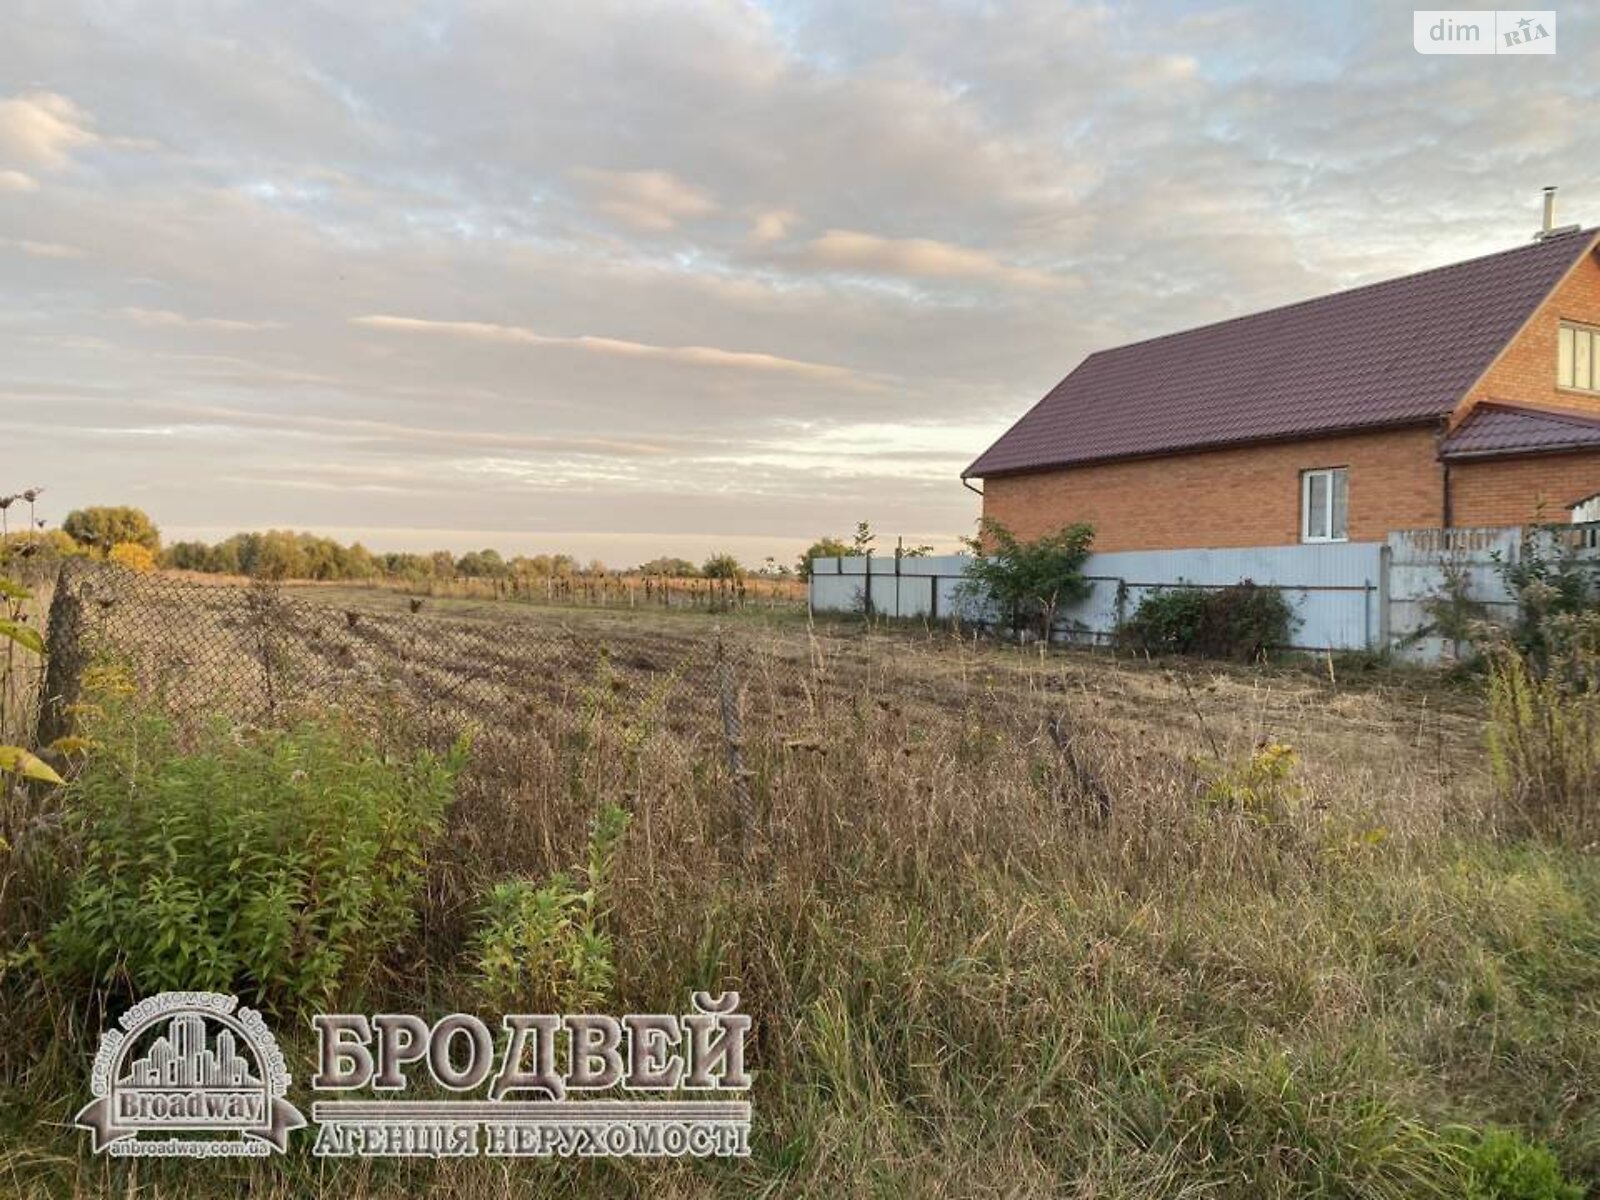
(1008, 924)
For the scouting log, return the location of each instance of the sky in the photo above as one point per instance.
(620, 280)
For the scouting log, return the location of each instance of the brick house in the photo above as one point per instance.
(1465, 395)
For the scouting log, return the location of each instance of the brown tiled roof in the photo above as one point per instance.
(1493, 429)
(1393, 353)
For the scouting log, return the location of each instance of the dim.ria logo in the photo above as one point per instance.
(189, 1074)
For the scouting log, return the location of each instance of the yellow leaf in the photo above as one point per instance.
(23, 635)
(27, 764)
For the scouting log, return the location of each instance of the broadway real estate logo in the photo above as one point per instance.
(192, 1074)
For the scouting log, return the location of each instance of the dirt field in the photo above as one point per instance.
(503, 664)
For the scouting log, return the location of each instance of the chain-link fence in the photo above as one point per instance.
(259, 655)
(727, 718)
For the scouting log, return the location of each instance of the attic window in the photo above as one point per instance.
(1325, 505)
(1578, 358)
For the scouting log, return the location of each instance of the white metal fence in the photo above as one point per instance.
(1346, 596)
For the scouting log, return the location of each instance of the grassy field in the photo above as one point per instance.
(1008, 923)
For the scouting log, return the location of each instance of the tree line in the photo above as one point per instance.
(127, 534)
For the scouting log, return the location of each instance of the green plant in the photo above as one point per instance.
(1168, 621)
(1028, 581)
(1501, 1164)
(1544, 726)
(105, 526)
(1242, 621)
(541, 948)
(722, 566)
(825, 547)
(16, 634)
(1451, 611)
(1549, 580)
(1265, 787)
(281, 865)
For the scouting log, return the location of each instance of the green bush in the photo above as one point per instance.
(1550, 581)
(541, 948)
(1544, 726)
(1242, 621)
(1501, 1164)
(1028, 581)
(279, 865)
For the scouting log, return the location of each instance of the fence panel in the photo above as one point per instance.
(1337, 590)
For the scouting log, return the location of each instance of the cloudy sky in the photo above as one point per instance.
(624, 279)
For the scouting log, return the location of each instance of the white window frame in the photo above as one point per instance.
(1568, 336)
(1325, 536)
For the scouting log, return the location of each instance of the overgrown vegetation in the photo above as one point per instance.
(1028, 581)
(1549, 581)
(1241, 622)
(1008, 925)
(282, 865)
(19, 766)
(1544, 732)
(541, 948)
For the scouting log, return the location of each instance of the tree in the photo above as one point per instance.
(278, 554)
(722, 566)
(133, 556)
(824, 547)
(187, 556)
(224, 559)
(1029, 581)
(482, 564)
(862, 543)
(104, 527)
(676, 568)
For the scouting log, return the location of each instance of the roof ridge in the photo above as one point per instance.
(1577, 235)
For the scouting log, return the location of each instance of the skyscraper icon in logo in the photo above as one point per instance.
(181, 1059)
(185, 1066)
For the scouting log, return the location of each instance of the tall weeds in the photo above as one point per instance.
(1544, 732)
(1007, 926)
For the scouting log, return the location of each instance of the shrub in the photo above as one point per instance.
(1170, 621)
(1242, 621)
(1501, 1164)
(280, 865)
(541, 949)
(1544, 726)
(1549, 581)
(1028, 581)
(1264, 787)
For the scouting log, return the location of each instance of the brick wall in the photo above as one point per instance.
(1243, 496)
(1507, 491)
(1526, 372)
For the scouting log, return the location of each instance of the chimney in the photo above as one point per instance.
(1551, 229)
